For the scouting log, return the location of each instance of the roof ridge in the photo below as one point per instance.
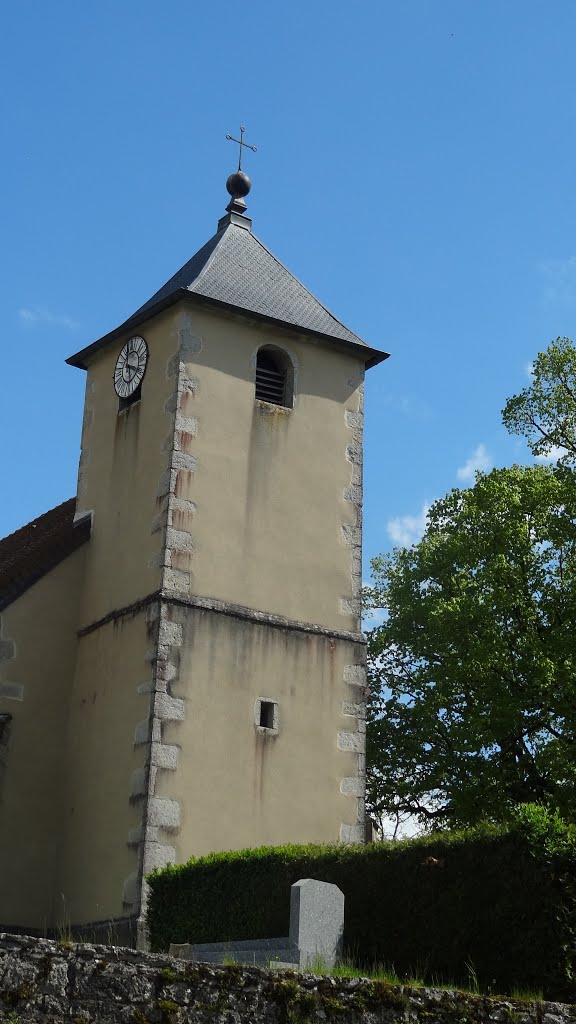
(211, 257)
(169, 287)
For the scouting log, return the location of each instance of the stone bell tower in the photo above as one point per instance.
(216, 698)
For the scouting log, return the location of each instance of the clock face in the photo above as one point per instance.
(130, 367)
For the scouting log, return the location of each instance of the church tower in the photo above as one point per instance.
(215, 665)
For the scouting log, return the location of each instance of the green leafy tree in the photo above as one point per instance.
(545, 411)
(473, 672)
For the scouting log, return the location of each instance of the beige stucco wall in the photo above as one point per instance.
(268, 485)
(102, 759)
(236, 785)
(123, 459)
(269, 482)
(41, 624)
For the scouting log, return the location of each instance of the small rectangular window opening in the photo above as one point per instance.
(266, 714)
(125, 403)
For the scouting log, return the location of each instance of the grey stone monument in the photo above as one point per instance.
(316, 933)
(317, 921)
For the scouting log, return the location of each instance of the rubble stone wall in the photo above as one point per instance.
(48, 981)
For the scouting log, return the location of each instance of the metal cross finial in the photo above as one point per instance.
(241, 143)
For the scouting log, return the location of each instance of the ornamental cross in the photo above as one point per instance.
(241, 143)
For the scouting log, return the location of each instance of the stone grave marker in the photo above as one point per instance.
(317, 921)
(316, 933)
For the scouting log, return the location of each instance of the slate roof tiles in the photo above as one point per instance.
(234, 267)
(236, 271)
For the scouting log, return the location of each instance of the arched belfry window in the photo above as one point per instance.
(274, 376)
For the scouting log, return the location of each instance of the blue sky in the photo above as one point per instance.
(415, 169)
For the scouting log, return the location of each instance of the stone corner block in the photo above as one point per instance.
(176, 581)
(352, 833)
(355, 675)
(170, 633)
(352, 741)
(352, 710)
(164, 755)
(351, 606)
(164, 813)
(354, 454)
(353, 785)
(182, 460)
(179, 540)
(169, 709)
(157, 855)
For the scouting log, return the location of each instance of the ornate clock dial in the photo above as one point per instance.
(130, 367)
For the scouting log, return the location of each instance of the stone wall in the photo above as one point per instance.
(42, 980)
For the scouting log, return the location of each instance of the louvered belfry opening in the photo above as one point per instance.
(271, 377)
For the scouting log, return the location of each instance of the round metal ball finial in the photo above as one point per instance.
(238, 185)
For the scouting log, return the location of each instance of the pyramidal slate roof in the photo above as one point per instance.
(236, 271)
(236, 268)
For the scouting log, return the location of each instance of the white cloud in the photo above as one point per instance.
(560, 280)
(480, 460)
(553, 454)
(42, 316)
(529, 369)
(405, 405)
(407, 530)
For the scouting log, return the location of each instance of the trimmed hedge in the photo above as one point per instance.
(492, 903)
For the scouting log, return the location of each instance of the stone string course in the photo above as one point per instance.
(235, 611)
(47, 981)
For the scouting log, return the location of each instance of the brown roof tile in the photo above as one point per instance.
(32, 551)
